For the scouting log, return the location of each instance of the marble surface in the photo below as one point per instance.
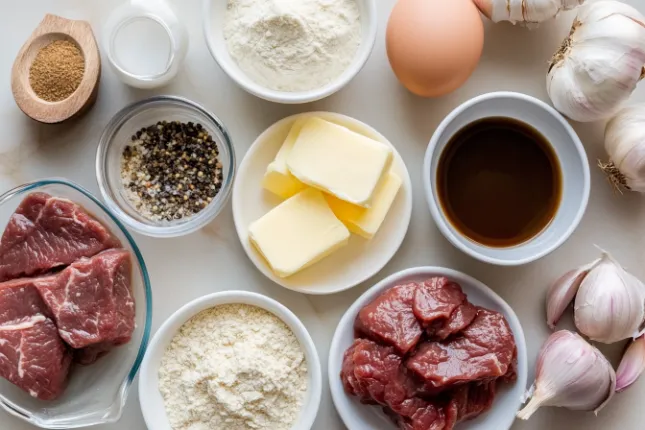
(212, 260)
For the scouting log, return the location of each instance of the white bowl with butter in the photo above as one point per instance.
(348, 265)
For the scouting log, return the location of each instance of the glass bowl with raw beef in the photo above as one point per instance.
(75, 307)
(430, 349)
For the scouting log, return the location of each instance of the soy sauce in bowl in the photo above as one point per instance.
(499, 182)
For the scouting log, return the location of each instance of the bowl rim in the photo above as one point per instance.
(198, 220)
(440, 219)
(25, 415)
(195, 306)
(347, 321)
(299, 97)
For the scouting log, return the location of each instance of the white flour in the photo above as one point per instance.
(233, 367)
(293, 45)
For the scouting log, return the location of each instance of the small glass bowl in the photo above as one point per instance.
(95, 394)
(118, 134)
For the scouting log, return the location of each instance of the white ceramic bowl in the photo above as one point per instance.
(150, 398)
(357, 416)
(213, 19)
(568, 149)
(350, 265)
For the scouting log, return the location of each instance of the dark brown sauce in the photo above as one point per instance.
(499, 182)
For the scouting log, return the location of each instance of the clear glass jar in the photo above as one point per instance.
(145, 43)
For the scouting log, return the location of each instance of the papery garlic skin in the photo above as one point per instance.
(600, 63)
(610, 304)
(632, 364)
(525, 11)
(572, 374)
(563, 291)
(625, 145)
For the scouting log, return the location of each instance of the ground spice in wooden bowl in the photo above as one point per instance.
(57, 70)
(171, 170)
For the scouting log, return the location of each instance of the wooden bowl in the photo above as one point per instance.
(50, 29)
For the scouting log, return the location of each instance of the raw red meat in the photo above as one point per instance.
(459, 320)
(91, 301)
(437, 298)
(375, 374)
(47, 232)
(433, 384)
(32, 355)
(484, 351)
(473, 399)
(430, 417)
(350, 381)
(390, 319)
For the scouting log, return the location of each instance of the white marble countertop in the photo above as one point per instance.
(212, 260)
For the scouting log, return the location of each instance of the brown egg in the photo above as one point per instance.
(434, 45)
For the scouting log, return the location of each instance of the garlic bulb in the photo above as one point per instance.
(524, 11)
(625, 145)
(572, 374)
(600, 63)
(609, 301)
(632, 364)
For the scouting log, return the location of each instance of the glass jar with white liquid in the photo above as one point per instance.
(145, 43)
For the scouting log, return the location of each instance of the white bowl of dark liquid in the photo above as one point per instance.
(506, 178)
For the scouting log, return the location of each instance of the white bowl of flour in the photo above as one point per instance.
(233, 360)
(290, 51)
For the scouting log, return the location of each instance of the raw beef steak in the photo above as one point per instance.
(32, 355)
(376, 375)
(484, 351)
(473, 399)
(91, 300)
(390, 319)
(437, 298)
(459, 320)
(47, 232)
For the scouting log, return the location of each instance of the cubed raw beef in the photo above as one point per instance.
(484, 351)
(473, 399)
(47, 232)
(376, 375)
(459, 320)
(390, 319)
(437, 298)
(430, 417)
(91, 300)
(32, 355)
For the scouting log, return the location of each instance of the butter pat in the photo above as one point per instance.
(277, 178)
(338, 161)
(367, 221)
(298, 233)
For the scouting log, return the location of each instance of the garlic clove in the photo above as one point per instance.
(610, 304)
(625, 145)
(572, 374)
(632, 364)
(562, 292)
(525, 11)
(600, 63)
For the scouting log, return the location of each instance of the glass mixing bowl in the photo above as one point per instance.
(118, 134)
(96, 394)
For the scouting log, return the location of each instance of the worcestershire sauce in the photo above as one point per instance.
(499, 182)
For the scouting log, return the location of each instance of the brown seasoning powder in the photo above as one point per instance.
(57, 71)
